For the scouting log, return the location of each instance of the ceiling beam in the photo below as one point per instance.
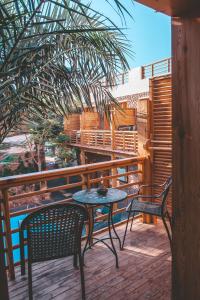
(174, 8)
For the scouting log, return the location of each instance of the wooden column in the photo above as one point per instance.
(114, 180)
(147, 177)
(82, 157)
(8, 240)
(186, 159)
(112, 127)
(3, 275)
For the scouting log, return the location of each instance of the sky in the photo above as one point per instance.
(149, 32)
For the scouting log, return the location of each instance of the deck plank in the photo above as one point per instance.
(144, 271)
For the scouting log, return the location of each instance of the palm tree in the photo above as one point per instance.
(56, 55)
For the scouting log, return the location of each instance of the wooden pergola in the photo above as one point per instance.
(186, 143)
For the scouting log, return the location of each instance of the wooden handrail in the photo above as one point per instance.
(10, 181)
(157, 68)
(115, 140)
(106, 172)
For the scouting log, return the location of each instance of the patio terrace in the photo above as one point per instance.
(144, 263)
(143, 274)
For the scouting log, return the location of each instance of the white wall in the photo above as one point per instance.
(135, 84)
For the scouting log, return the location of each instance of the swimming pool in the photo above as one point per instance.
(15, 222)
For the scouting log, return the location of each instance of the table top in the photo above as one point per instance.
(93, 198)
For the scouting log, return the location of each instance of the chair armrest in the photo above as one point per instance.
(149, 185)
(147, 196)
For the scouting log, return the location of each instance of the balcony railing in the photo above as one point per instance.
(106, 139)
(96, 138)
(124, 174)
(158, 68)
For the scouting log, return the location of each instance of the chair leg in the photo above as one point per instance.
(167, 229)
(82, 276)
(132, 222)
(170, 219)
(30, 287)
(22, 259)
(75, 262)
(129, 213)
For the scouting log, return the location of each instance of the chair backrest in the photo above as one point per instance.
(54, 231)
(166, 187)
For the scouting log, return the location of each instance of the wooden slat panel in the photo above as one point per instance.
(125, 118)
(161, 141)
(72, 122)
(90, 120)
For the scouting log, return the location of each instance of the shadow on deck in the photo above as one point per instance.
(144, 271)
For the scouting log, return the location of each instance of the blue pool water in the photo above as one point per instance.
(15, 221)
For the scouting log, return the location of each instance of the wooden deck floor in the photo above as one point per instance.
(143, 274)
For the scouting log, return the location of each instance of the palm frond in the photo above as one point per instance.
(56, 55)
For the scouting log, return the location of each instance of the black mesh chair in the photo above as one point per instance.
(53, 232)
(151, 207)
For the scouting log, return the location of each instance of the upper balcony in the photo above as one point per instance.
(136, 81)
(119, 142)
(90, 131)
(119, 136)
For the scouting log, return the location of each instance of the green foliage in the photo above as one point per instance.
(9, 158)
(46, 129)
(49, 132)
(66, 154)
(21, 169)
(61, 138)
(56, 55)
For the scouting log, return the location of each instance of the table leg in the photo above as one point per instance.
(116, 234)
(110, 222)
(91, 227)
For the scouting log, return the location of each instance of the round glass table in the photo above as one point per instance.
(91, 198)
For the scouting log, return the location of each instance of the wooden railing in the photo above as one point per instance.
(158, 68)
(119, 140)
(126, 140)
(96, 138)
(74, 136)
(124, 174)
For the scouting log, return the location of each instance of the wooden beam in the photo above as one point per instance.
(186, 159)
(3, 275)
(176, 8)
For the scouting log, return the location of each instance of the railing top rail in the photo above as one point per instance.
(126, 131)
(95, 130)
(157, 62)
(11, 181)
(102, 130)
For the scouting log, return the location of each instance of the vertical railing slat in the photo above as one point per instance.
(8, 236)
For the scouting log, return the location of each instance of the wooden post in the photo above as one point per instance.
(142, 72)
(114, 180)
(82, 160)
(7, 228)
(123, 137)
(186, 162)
(3, 275)
(90, 209)
(169, 63)
(145, 167)
(112, 130)
(152, 70)
(82, 157)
